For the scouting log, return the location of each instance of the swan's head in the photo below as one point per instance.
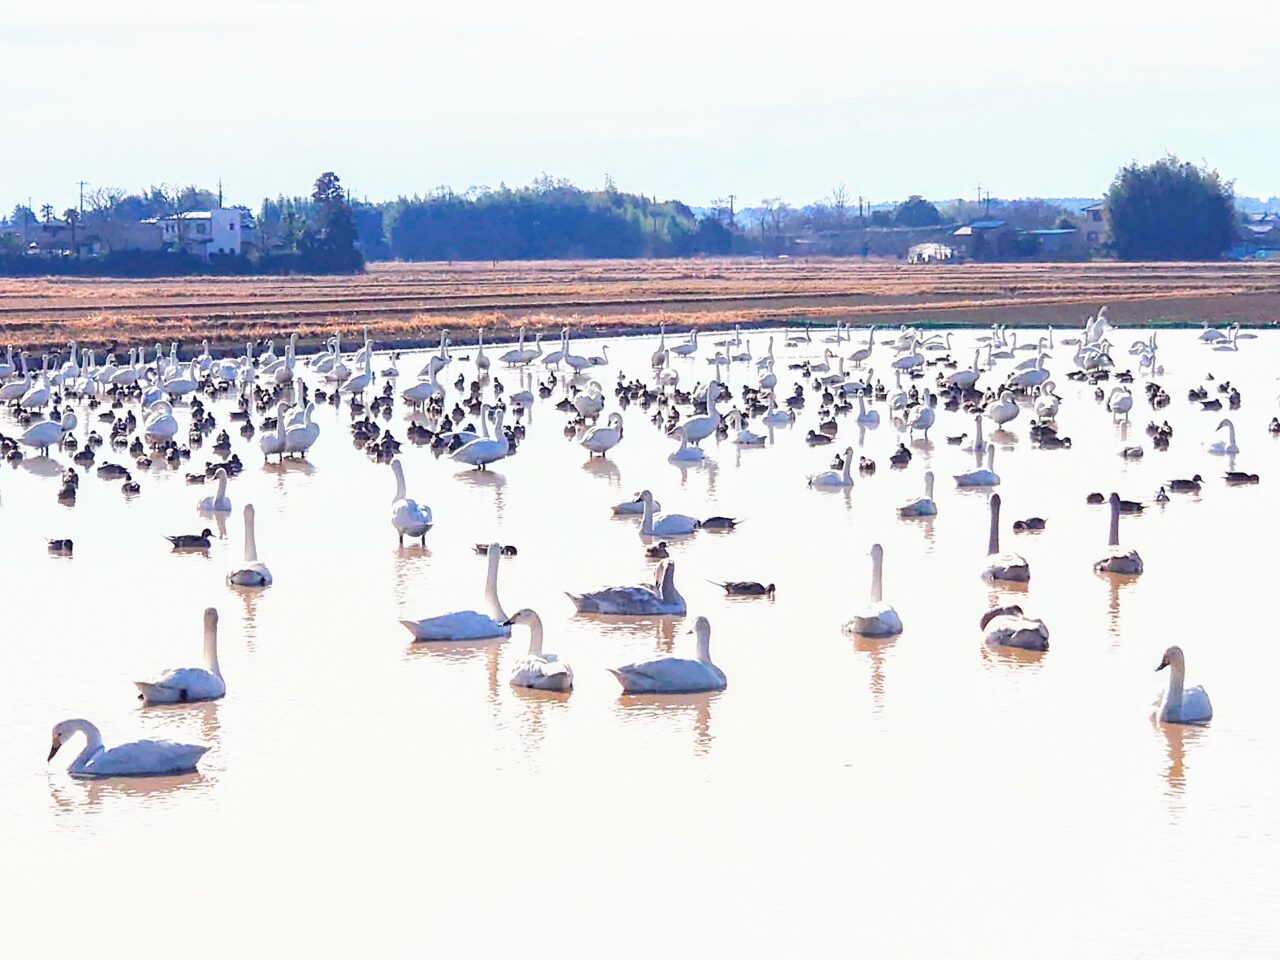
(524, 617)
(1172, 658)
(63, 732)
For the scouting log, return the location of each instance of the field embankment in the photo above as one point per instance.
(410, 303)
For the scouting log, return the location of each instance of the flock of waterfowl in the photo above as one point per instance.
(134, 408)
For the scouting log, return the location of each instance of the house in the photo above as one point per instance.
(1057, 243)
(930, 253)
(202, 233)
(985, 240)
(1095, 225)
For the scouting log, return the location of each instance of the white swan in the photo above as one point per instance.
(408, 516)
(603, 439)
(698, 429)
(189, 684)
(684, 453)
(141, 758)
(1180, 704)
(1009, 567)
(921, 506)
(670, 525)
(254, 574)
(45, 434)
(868, 418)
(965, 379)
(300, 437)
(160, 425)
(675, 674)
(1227, 449)
(742, 436)
(661, 600)
(983, 477)
(1117, 560)
(836, 478)
(219, 502)
(482, 362)
(272, 444)
(468, 624)
(481, 453)
(1120, 402)
(1047, 402)
(1008, 627)
(516, 354)
(538, 670)
(877, 618)
(1004, 410)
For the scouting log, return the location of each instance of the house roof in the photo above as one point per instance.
(1051, 233)
(1093, 206)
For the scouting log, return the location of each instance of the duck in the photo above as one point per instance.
(189, 684)
(633, 508)
(508, 550)
(982, 477)
(61, 547)
(1007, 567)
(669, 525)
(139, 758)
(1162, 495)
(1117, 560)
(1029, 524)
(746, 588)
(675, 674)
(254, 574)
(219, 502)
(921, 506)
(1009, 627)
(662, 599)
(408, 516)
(468, 624)
(720, 523)
(192, 541)
(538, 670)
(877, 618)
(658, 551)
(836, 478)
(1181, 704)
(1186, 486)
(1095, 498)
(1239, 477)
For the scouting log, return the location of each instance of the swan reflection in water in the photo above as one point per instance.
(1178, 737)
(605, 469)
(71, 795)
(676, 712)
(41, 466)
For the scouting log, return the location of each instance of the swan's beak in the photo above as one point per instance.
(1163, 663)
(54, 749)
(508, 622)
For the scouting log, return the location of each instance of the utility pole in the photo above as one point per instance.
(83, 184)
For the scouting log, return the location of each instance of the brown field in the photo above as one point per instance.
(410, 303)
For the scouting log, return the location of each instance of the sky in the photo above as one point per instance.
(671, 98)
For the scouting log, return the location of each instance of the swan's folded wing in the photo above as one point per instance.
(197, 681)
(1195, 705)
(146, 756)
(460, 625)
(664, 673)
(620, 600)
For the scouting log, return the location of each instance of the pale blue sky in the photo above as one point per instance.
(677, 98)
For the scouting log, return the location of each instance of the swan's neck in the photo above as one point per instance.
(993, 537)
(1175, 685)
(1113, 538)
(400, 491)
(222, 482)
(704, 644)
(848, 468)
(877, 578)
(535, 636)
(646, 523)
(928, 487)
(93, 745)
(211, 649)
(669, 592)
(491, 589)
(250, 543)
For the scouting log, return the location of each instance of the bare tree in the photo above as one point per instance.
(839, 202)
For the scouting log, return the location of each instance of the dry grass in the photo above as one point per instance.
(410, 302)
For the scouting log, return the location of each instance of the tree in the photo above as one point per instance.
(1170, 210)
(839, 203)
(330, 242)
(916, 211)
(46, 212)
(72, 216)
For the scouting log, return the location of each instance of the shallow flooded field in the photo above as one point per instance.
(919, 796)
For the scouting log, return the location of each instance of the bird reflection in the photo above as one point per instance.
(70, 794)
(604, 468)
(1115, 583)
(249, 598)
(875, 648)
(173, 720)
(1177, 737)
(41, 466)
(1004, 437)
(281, 469)
(672, 710)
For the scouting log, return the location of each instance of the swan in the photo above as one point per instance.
(219, 502)
(1009, 567)
(684, 453)
(37, 397)
(1047, 402)
(141, 758)
(633, 508)
(482, 362)
(272, 444)
(189, 684)
(1032, 377)
(255, 574)
(965, 379)
(675, 674)
(1008, 627)
(863, 354)
(689, 347)
(698, 429)
(516, 354)
(670, 525)
(776, 417)
(468, 624)
(924, 416)
(836, 478)
(1120, 402)
(1224, 449)
(659, 358)
(877, 618)
(299, 438)
(867, 418)
(1117, 560)
(1210, 335)
(357, 383)
(538, 670)
(590, 402)
(160, 425)
(603, 439)
(743, 436)
(45, 434)
(408, 516)
(768, 380)
(1004, 410)
(922, 506)
(982, 477)
(481, 453)
(1181, 704)
(660, 600)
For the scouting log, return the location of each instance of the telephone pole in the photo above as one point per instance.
(83, 184)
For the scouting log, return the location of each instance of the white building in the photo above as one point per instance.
(203, 233)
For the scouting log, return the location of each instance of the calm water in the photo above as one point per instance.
(922, 796)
